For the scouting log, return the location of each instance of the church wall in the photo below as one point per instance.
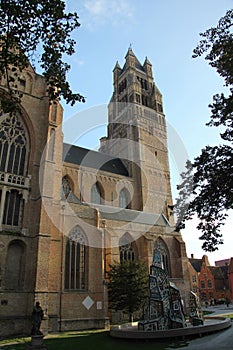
(18, 302)
(84, 178)
(65, 308)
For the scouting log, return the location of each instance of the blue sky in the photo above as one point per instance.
(166, 31)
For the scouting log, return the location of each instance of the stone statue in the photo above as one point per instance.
(37, 316)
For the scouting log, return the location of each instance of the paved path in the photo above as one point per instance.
(219, 309)
(222, 340)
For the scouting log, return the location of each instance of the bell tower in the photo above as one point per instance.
(137, 133)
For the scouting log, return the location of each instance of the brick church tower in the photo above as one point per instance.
(137, 133)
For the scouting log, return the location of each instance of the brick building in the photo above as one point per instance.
(67, 212)
(227, 268)
(211, 283)
(231, 277)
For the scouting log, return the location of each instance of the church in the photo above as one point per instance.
(67, 213)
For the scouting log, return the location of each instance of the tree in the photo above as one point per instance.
(38, 31)
(207, 185)
(128, 286)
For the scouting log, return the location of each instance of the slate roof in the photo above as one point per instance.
(137, 63)
(134, 216)
(72, 198)
(196, 263)
(92, 159)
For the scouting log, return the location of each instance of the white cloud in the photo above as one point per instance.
(80, 62)
(101, 12)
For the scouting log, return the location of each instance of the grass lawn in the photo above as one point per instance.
(206, 313)
(90, 340)
(229, 316)
(93, 340)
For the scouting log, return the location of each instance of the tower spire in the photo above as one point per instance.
(130, 51)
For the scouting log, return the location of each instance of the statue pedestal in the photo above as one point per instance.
(37, 342)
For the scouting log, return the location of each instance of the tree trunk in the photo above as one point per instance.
(130, 317)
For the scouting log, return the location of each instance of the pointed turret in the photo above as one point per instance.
(147, 67)
(130, 52)
(130, 58)
(116, 73)
(117, 66)
(147, 62)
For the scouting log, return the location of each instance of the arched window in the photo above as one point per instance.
(96, 194)
(13, 146)
(66, 188)
(126, 250)
(13, 209)
(15, 265)
(124, 198)
(75, 260)
(161, 247)
(14, 151)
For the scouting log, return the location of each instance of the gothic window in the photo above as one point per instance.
(124, 99)
(161, 247)
(160, 108)
(96, 194)
(14, 150)
(138, 99)
(122, 86)
(126, 250)
(75, 260)
(66, 188)
(144, 100)
(143, 82)
(124, 198)
(13, 146)
(13, 208)
(15, 264)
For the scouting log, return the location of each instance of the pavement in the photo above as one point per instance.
(219, 310)
(222, 340)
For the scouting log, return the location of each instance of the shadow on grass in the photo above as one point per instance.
(95, 340)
